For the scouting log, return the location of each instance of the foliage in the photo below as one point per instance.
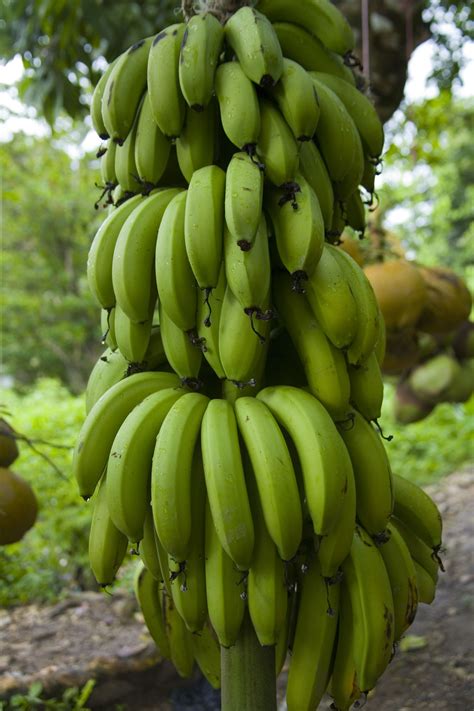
(428, 186)
(72, 698)
(52, 556)
(452, 26)
(427, 450)
(50, 323)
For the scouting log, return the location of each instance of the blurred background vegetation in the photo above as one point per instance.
(50, 332)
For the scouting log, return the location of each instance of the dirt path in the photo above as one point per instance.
(95, 636)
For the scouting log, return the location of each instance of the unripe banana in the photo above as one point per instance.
(148, 548)
(355, 212)
(372, 473)
(125, 166)
(107, 166)
(133, 274)
(243, 199)
(123, 90)
(324, 365)
(133, 339)
(239, 107)
(313, 644)
(129, 465)
(182, 349)
(314, 170)
(224, 587)
(148, 594)
(110, 368)
(368, 585)
(343, 686)
(152, 148)
(200, 49)
(96, 103)
(207, 654)
(324, 462)
(252, 37)
(425, 584)
(208, 322)
(418, 511)
(367, 387)
(228, 498)
(175, 476)
(204, 224)
(196, 145)
(301, 46)
(320, 17)
(174, 277)
(107, 327)
(276, 147)
(297, 100)
(167, 102)
(107, 545)
(274, 474)
(103, 421)
(180, 639)
(299, 228)
(419, 551)
(332, 302)
(101, 252)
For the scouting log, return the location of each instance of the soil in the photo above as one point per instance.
(95, 635)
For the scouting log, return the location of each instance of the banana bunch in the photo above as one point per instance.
(229, 438)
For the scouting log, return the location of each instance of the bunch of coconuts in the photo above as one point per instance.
(18, 505)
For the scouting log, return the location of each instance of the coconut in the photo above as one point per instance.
(8, 446)
(400, 291)
(401, 352)
(407, 407)
(462, 385)
(431, 380)
(448, 301)
(463, 340)
(18, 507)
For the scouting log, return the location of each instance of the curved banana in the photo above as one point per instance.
(174, 479)
(418, 511)
(125, 167)
(239, 107)
(148, 548)
(355, 212)
(167, 102)
(372, 473)
(368, 586)
(402, 575)
(241, 364)
(225, 482)
(314, 170)
(330, 296)
(152, 147)
(124, 88)
(419, 551)
(368, 311)
(180, 639)
(304, 47)
(133, 274)
(324, 365)
(101, 252)
(343, 685)
(313, 643)
(361, 110)
(276, 146)
(248, 272)
(200, 49)
(103, 421)
(274, 474)
(107, 327)
(133, 339)
(96, 103)
(299, 227)
(110, 368)
(183, 349)
(107, 166)
(107, 545)
(148, 594)
(129, 467)
(188, 579)
(224, 587)
(425, 584)
(196, 146)
(252, 37)
(243, 199)
(324, 463)
(297, 100)
(367, 387)
(320, 17)
(204, 225)
(174, 277)
(207, 654)
(208, 321)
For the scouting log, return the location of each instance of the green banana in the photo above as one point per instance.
(129, 467)
(125, 167)
(107, 327)
(207, 654)
(174, 475)
(123, 90)
(277, 148)
(133, 339)
(324, 462)
(425, 584)
(107, 166)
(200, 49)
(419, 551)
(148, 548)
(180, 639)
(355, 212)
(372, 473)
(243, 199)
(152, 147)
(314, 170)
(228, 498)
(96, 103)
(110, 368)
(107, 545)
(343, 686)
(238, 105)
(103, 421)
(196, 146)
(418, 511)
(167, 102)
(147, 592)
(183, 349)
(297, 100)
(367, 387)
(208, 321)
(252, 37)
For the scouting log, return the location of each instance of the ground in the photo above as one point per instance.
(100, 636)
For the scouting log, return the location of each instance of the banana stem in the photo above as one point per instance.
(248, 677)
(222, 9)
